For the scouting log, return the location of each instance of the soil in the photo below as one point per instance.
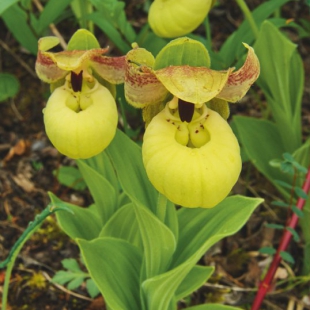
(28, 170)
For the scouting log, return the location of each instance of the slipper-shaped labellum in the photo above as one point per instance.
(81, 124)
(174, 18)
(193, 164)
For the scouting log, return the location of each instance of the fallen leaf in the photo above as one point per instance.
(18, 149)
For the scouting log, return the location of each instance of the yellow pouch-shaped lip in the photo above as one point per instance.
(188, 176)
(81, 129)
(174, 18)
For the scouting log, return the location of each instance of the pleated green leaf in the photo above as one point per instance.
(84, 223)
(130, 170)
(114, 265)
(103, 193)
(158, 241)
(282, 80)
(124, 225)
(199, 230)
(102, 164)
(194, 280)
(262, 143)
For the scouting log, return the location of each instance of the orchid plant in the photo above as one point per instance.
(139, 249)
(157, 208)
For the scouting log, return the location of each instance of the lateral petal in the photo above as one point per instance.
(141, 84)
(111, 69)
(240, 81)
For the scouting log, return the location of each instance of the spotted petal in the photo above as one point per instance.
(52, 67)
(193, 84)
(240, 81)
(141, 84)
(111, 69)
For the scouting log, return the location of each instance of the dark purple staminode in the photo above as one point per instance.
(76, 81)
(186, 110)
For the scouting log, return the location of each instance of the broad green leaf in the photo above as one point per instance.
(123, 224)
(70, 176)
(9, 86)
(194, 280)
(130, 171)
(84, 223)
(262, 143)
(5, 4)
(16, 21)
(232, 49)
(123, 199)
(282, 79)
(213, 307)
(104, 195)
(201, 228)
(52, 10)
(158, 241)
(159, 291)
(114, 265)
(171, 219)
(103, 165)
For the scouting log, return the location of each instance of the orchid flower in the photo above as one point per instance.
(81, 115)
(174, 18)
(189, 151)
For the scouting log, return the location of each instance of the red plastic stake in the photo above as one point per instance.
(285, 240)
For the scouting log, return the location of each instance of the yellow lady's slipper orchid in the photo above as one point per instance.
(81, 115)
(189, 151)
(174, 18)
(81, 124)
(193, 164)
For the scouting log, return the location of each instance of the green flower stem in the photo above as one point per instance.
(248, 15)
(161, 207)
(10, 260)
